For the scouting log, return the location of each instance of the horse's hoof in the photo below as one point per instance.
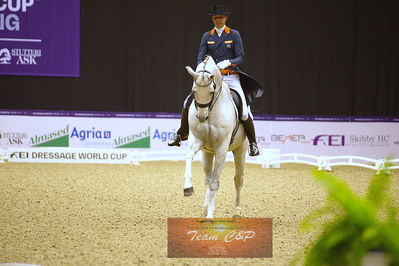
(238, 212)
(205, 213)
(188, 191)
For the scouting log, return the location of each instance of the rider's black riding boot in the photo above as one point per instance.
(182, 132)
(250, 132)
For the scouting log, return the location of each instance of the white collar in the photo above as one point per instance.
(220, 31)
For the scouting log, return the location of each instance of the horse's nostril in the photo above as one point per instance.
(202, 119)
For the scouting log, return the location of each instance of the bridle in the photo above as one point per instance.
(214, 98)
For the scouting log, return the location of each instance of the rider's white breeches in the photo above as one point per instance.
(233, 81)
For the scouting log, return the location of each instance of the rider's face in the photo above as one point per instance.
(219, 20)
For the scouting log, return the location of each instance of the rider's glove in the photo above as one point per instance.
(224, 64)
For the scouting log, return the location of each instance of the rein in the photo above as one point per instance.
(214, 98)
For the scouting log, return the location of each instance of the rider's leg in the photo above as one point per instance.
(234, 83)
(250, 132)
(182, 132)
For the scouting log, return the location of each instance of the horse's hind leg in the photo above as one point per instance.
(239, 161)
(193, 148)
(207, 165)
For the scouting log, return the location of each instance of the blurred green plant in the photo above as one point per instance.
(350, 225)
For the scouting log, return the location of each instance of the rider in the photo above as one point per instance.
(225, 46)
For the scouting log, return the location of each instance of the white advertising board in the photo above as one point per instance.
(321, 138)
(370, 139)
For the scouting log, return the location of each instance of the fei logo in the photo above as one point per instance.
(19, 155)
(329, 140)
(5, 56)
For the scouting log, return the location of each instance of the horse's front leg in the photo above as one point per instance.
(207, 165)
(220, 157)
(193, 147)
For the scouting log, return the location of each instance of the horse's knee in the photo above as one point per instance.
(214, 185)
(238, 180)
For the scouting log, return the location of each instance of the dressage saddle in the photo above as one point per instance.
(237, 101)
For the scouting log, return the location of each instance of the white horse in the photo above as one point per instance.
(213, 119)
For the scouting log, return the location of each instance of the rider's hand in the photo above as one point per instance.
(224, 64)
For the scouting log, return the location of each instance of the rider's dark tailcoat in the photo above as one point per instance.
(229, 46)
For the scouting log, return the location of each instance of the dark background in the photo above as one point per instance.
(313, 57)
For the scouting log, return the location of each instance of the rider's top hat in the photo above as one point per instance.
(218, 10)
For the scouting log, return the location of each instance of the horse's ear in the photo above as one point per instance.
(191, 72)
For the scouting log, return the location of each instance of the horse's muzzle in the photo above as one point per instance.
(202, 119)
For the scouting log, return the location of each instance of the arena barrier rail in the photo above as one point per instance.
(326, 162)
(269, 158)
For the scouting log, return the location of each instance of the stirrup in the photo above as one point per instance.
(175, 140)
(253, 149)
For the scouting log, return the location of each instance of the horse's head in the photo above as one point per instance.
(207, 82)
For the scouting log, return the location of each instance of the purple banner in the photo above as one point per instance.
(40, 37)
(263, 117)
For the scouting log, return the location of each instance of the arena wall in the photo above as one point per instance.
(312, 57)
(319, 136)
